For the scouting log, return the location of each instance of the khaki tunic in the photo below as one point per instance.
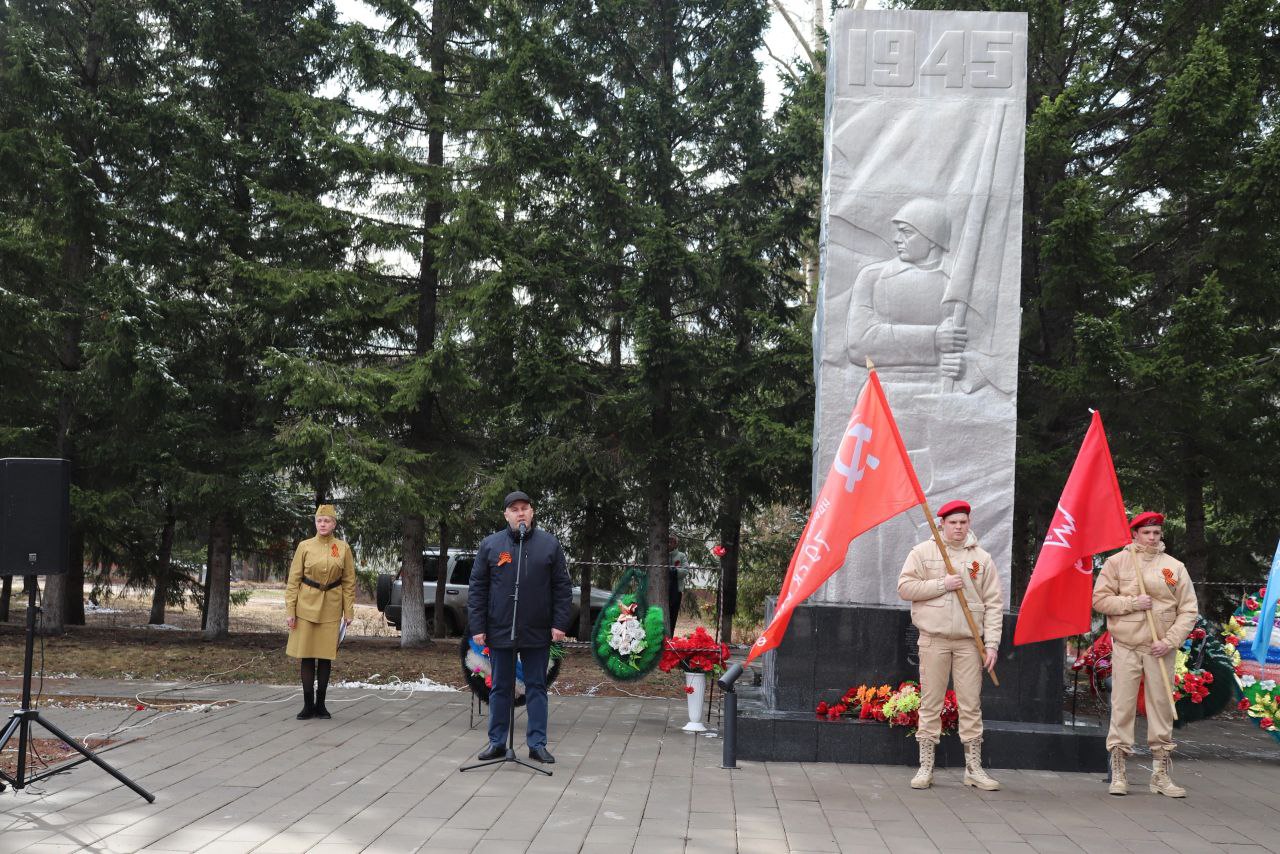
(947, 653)
(1173, 604)
(323, 560)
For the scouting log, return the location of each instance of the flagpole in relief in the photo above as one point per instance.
(1155, 637)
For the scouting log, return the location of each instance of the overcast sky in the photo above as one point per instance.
(779, 39)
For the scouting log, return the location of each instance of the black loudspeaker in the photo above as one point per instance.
(35, 516)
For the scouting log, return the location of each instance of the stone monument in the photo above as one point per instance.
(921, 272)
(922, 231)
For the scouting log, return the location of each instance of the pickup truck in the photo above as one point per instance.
(390, 591)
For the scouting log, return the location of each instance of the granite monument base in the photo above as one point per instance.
(830, 648)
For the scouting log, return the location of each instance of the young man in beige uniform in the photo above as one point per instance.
(947, 651)
(1172, 600)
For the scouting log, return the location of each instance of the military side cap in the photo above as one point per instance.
(953, 507)
(1143, 520)
(513, 497)
(327, 510)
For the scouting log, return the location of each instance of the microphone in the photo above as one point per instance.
(524, 529)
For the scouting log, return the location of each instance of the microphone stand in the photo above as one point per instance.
(511, 719)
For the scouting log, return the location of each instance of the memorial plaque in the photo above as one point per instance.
(921, 254)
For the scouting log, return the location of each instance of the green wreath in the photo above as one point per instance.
(629, 634)
(1206, 653)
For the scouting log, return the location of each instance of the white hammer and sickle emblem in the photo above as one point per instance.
(853, 472)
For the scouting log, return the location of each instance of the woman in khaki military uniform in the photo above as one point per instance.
(320, 595)
(1167, 593)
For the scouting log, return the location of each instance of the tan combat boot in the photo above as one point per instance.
(1119, 782)
(924, 777)
(974, 775)
(1161, 783)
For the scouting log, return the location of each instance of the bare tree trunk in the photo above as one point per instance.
(659, 371)
(208, 562)
(731, 538)
(588, 558)
(6, 591)
(160, 598)
(51, 619)
(1196, 552)
(218, 624)
(73, 600)
(413, 611)
(657, 555)
(442, 580)
(413, 615)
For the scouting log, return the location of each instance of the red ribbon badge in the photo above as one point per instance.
(973, 570)
(504, 558)
(333, 550)
(1168, 578)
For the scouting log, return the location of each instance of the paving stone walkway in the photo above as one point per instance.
(382, 776)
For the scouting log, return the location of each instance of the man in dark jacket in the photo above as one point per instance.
(526, 624)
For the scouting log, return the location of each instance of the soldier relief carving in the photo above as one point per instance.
(898, 309)
(921, 264)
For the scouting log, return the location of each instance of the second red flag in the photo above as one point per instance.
(1090, 519)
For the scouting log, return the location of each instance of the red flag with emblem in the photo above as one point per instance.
(870, 480)
(1090, 519)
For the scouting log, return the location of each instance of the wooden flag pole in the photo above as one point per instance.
(1155, 636)
(946, 559)
(959, 591)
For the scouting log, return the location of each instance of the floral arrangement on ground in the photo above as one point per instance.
(1205, 672)
(882, 703)
(1258, 696)
(696, 652)
(478, 670)
(1248, 615)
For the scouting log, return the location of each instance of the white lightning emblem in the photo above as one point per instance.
(1058, 534)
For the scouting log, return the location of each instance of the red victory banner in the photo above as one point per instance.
(870, 480)
(1090, 519)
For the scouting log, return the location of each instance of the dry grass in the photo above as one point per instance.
(115, 644)
(264, 612)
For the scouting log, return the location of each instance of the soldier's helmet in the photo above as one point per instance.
(929, 218)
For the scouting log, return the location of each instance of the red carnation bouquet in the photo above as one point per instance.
(696, 652)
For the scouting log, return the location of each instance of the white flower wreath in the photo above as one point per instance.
(626, 635)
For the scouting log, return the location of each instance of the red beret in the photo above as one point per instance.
(1143, 520)
(953, 507)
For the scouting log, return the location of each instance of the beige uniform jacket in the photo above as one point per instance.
(937, 612)
(323, 560)
(1173, 598)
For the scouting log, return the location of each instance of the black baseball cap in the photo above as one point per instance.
(513, 497)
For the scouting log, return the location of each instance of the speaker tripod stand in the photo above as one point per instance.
(23, 718)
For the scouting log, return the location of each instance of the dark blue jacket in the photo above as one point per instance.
(545, 589)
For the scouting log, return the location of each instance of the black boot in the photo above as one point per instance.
(322, 685)
(308, 689)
